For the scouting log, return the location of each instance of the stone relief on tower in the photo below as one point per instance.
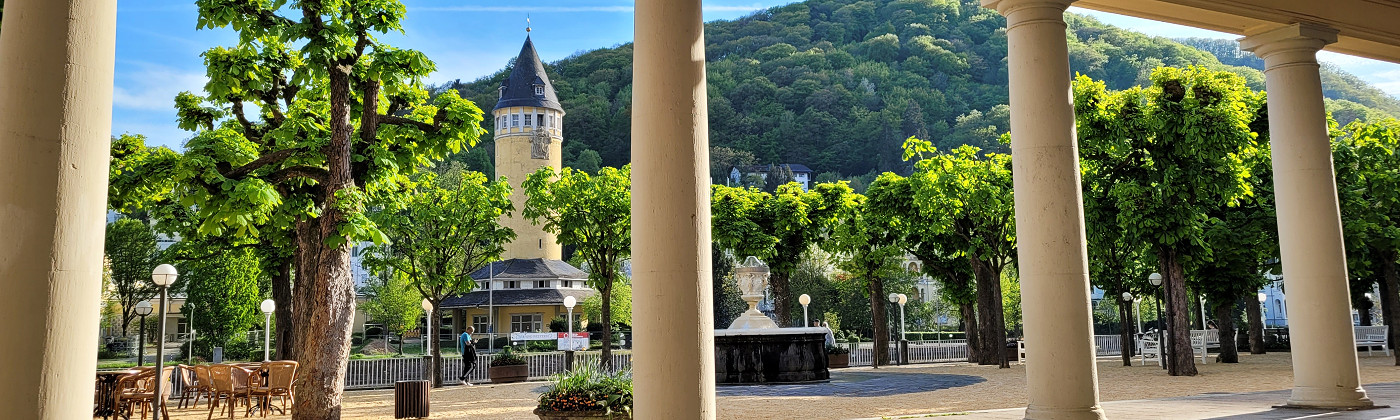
(539, 144)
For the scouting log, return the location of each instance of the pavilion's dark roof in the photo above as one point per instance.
(519, 88)
(530, 269)
(515, 297)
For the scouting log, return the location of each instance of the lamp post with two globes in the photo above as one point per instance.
(901, 299)
(267, 307)
(163, 276)
(143, 309)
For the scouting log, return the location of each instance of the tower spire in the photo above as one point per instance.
(527, 23)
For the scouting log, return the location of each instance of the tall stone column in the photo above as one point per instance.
(1052, 253)
(1309, 220)
(56, 64)
(675, 363)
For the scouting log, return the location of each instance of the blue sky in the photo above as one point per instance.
(158, 48)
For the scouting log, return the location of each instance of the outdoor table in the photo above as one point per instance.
(107, 392)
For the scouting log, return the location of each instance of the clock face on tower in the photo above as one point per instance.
(539, 144)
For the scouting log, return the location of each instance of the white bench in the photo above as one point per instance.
(1371, 337)
(1149, 348)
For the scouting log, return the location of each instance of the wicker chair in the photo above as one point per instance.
(228, 383)
(189, 384)
(204, 384)
(140, 389)
(280, 375)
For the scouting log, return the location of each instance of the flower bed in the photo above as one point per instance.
(587, 392)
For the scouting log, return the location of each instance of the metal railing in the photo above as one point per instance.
(382, 373)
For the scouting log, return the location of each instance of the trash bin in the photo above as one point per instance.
(411, 399)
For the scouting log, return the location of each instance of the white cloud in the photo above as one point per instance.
(150, 86)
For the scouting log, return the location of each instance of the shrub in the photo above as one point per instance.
(589, 388)
(507, 357)
(558, 325)
(541, 346)
(837, 350)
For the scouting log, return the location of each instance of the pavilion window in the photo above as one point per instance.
(514, 120)
(526, 322)
(513, 284)
(541, 284)
(527, 120)
(481, 323)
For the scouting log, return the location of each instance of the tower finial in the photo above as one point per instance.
(527, 23)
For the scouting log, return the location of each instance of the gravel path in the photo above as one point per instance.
(866, 392)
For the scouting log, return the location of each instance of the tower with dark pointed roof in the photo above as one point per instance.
(529, 135)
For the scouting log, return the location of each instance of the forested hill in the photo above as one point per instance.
(838, 85)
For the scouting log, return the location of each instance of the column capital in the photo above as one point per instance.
(1006, 7)
(1301, 40)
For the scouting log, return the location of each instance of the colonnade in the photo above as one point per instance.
(56, 66)
(56, 62)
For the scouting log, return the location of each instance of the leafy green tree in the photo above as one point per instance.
(588, 161)
(968, 198)
(221, 295)
(1197, 148)
(864, 245)
(728, 300)
(131, 255)
(445, 229)
(619, 305)
(777, 228)
(1367, 160)
(593, 213)
(302, 123)
(392, 300)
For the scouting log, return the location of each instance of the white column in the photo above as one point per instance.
(1053, 258)
(1309, 221)
(56, 61)
(675, 363)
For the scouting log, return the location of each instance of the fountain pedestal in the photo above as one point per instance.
(770, 355)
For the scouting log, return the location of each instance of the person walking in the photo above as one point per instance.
(467, 349)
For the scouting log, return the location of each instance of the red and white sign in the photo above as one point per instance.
(578, 342)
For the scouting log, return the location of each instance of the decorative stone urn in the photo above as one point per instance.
(752, 277)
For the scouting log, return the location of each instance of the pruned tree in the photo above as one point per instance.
(131, 254)
(1193, 129)
(1367, 161)
(593, 213)
(302, 123)
(442, 231)
(777, 228)
(221, 295)
(864, 246)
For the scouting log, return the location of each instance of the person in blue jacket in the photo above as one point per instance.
(467, 349)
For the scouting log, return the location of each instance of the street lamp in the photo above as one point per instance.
(805, 300)
(163, 276)
(1263, 298)
(143, 309)
(267, 307)
(1163, 349)
(1128, 297)
(569, 302)
(428, 326)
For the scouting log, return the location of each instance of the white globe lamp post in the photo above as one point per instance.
(569, 302)
(163, 276)
(267, 307)
(805, 300)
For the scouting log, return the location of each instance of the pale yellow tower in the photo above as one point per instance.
(529, 135)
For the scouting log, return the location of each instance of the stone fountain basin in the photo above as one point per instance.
(770, 356)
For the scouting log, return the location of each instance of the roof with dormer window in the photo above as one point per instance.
(519, 88)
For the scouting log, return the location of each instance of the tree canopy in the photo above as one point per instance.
(131, 255)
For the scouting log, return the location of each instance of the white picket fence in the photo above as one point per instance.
(382, 373)
(944, 351)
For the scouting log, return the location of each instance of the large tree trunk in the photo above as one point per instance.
(435, 324)
(782, 306)
(969, 320)
(1180, 360)
(1256, 325)
(879, 321)
(282, 297)
(605, 355)
(1225, 321)
(991, 322)
(1390, 298)
(325, 305)
(1125, 315)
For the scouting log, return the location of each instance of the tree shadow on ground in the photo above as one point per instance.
(856, 384)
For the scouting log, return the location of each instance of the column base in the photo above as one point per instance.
(1088, 413)
(1329, 397)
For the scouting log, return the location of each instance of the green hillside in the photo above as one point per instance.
(838, 85)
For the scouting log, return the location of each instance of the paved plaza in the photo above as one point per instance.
(1231, 391)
